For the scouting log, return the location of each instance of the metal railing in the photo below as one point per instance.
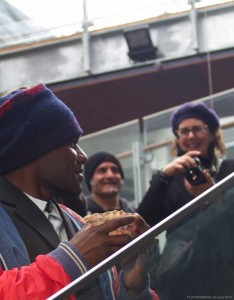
(207, 198)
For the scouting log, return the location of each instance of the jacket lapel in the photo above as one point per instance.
(34, 217)
(30, 214)
(27, 212)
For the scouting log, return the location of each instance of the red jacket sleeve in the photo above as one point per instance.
(37, 281)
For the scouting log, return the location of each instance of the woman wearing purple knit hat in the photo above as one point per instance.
(198, 146)
(198, 165)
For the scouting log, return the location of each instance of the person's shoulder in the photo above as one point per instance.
(5, 221)
(226, 168)
(8, 191)
(227, 163)
(93, 207)
(125, 205)
(230, 160)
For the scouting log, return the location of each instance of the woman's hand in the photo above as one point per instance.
(181, 163)
(196, 190)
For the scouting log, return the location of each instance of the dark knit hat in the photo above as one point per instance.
(195, 110)
(95, 160)
(33, 122)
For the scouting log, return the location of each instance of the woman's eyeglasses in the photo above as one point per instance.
(196, 130)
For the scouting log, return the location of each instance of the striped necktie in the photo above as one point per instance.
(55, 219)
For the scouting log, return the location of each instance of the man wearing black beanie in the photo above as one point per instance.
(104, 177)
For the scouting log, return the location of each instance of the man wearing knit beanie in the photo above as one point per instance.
(104, 177)
(33, 122)
(40, 158)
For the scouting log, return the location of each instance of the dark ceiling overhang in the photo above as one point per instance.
(105, 100)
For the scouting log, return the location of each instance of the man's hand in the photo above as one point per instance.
(95, 243)
(136, 271)
(139, 226)
(136, 267)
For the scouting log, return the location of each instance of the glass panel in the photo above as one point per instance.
(123, 12)
(196, 253)
(158, 135)
(230, 149)
(24, 22)
(68, 16)
(198, 258)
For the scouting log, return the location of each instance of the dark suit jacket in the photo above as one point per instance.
(34, 228)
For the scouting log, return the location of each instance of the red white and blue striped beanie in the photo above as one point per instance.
(33, 122)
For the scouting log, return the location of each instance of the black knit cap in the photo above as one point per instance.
(95, 160)
(33, 122)
(195, 110)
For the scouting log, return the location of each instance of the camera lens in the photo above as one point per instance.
(195, 175)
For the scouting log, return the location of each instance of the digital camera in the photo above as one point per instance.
(194, 175)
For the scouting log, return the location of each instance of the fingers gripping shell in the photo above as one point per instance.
(100, 218)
